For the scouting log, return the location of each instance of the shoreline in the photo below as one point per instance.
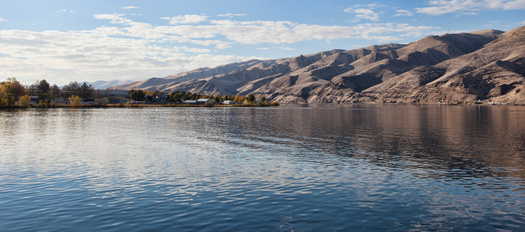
(273, 104)
(128, 105)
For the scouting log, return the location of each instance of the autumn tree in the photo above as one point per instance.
(75, 100)
(10, 91)
(239, 98)
(24, 101)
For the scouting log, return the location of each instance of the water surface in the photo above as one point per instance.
(291, 168)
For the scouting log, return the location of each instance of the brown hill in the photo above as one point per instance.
(485, 65)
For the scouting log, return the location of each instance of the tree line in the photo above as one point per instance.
(181, 96)
(12, 93)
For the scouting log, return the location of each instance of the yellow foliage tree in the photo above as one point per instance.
(239, 98)
(75, 100)
(24, 101)
(10, 90)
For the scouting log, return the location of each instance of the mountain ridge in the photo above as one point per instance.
(484, 65)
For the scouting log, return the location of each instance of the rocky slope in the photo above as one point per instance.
(468, 67)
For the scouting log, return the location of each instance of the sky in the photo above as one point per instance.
(71, 40)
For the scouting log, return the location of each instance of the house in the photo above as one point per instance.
(61, 101)
(205, 101)
(228, 102)
(33, 100)
(88, 101)
(190, 102)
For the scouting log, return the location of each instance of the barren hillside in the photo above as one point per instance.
(468, 67)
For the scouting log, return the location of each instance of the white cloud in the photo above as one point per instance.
(130, 7)
(250, 32)
(469, 7)
(86, 55)
(506, 4)
(186, 19)
(193, 50)
(3, 20)
(404, 13)
(230, 15)
(287, 48)
(135, 50)
(364, 12)
(115, 18)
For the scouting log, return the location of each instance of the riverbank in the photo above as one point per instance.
(129, 105)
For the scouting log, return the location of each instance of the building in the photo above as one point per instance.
(33, 100)
(190, 102)
(205, 101)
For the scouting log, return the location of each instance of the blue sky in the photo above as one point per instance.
(63, 41)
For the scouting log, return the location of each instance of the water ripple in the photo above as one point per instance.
(263, 169)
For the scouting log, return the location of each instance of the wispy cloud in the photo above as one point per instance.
(186, 19)
(404, 13)
(128, 49)
(3, 20)
(230, 15)
(287, 48)
(364, 12)
(130, 7)
(469, 7)
(65, 11)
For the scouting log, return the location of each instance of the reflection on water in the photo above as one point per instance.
(300, 168)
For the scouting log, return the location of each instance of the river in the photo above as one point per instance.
(287, 168)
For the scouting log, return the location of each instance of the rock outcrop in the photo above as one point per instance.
(468, 67)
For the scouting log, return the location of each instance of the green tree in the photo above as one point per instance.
(176, 96)
(137, 95)
(263, 99)
(251, 98)
(149, 98)
(54, 92)
(73, 88)
(86, 90)
(42, 89)
(43, 86)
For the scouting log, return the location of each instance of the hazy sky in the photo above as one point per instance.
(73, 40)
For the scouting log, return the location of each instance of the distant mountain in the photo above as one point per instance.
(467, 67)
(107, 84)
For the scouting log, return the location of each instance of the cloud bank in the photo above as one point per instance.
(439, 7)
(128, 49)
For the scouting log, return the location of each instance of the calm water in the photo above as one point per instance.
(291, 168)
